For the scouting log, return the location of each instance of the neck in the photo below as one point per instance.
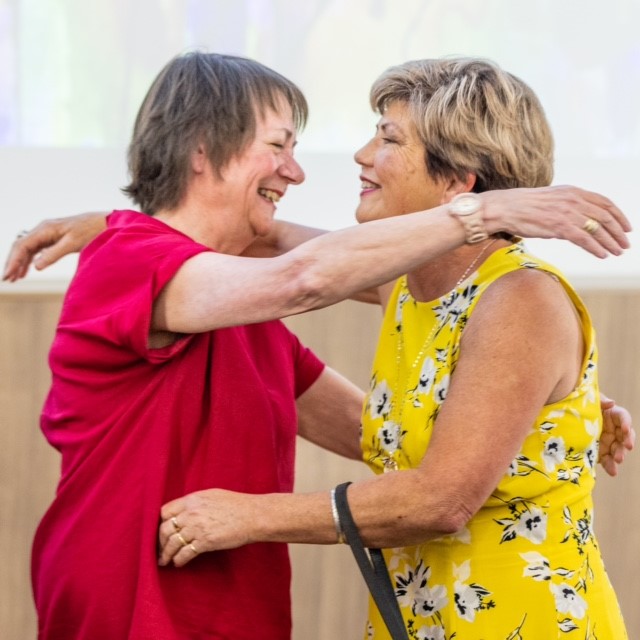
(209, 224)
(437, 277)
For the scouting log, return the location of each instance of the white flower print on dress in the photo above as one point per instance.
(389, 435)
(567, 625)
(430, 633)
(554, 453)
(568, 600)
(440, 390)
(591, 457)
(453, 306)
(528, 522)
(413, 591)
(523, 466)
(427, 376)
(587, 381)
(380, 400)
(592, 427)
(547, 426)
(570, 475)
(468, 598)
(429, 601)
(539, 568)
(402, 299)
(532, 525)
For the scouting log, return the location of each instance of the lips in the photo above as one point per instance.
(367, 186)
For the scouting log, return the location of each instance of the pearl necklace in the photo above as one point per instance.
(390, 463)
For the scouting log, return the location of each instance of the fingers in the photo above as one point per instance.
(609, 465)
(605, 402)
(28, 245)
(177, 545)
(603, 226)
(49, 241)
(585, 218)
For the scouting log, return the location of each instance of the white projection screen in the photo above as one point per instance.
(72, 74)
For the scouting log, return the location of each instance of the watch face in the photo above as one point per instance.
(466, 204)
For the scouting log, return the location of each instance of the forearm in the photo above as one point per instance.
(329, 414)
(340, 264)
(286, 236)
(391, 510)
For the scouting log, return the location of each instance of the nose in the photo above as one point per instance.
(291, 170)
(363, 156)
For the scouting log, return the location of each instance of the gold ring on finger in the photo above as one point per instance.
(174, 522)
(193, 548)
(183, 542)
(591, 225)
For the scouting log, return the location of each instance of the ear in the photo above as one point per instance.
(199, 160)
(453, 186)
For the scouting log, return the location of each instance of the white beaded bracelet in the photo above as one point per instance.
(336, 518)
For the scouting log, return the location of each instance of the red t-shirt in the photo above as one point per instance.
(138, 427)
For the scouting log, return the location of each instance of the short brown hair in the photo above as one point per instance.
(472, 116)
(200, 98)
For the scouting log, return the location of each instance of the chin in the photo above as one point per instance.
(364, 214)
(264, 228)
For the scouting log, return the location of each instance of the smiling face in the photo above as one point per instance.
(255, 180)
(394, 173)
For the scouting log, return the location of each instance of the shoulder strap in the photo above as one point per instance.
(373, 569)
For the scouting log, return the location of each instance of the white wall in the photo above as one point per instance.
(72, 76)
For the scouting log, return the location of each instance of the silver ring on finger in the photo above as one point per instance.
(22, 234)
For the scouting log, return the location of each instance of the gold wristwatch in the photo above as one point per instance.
(467, 208)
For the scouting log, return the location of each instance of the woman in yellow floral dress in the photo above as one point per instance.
(484, 383)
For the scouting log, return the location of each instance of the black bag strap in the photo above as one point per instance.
(373, 569)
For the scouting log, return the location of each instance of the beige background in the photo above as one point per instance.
(329, 598)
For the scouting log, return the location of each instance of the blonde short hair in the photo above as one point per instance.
(472, 116)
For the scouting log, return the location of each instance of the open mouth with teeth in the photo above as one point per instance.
(272, 196)
(365, 185)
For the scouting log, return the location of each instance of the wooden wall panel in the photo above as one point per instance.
(616, 316)
(28, 465)
(329, 597)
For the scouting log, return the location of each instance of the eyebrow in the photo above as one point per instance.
(386, 126)
(287, 132)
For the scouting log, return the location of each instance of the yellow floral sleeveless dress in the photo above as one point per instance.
(527, 565)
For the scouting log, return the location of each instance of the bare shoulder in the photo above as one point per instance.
(526, 302)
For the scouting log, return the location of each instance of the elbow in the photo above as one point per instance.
(451, 516)
(308, 287)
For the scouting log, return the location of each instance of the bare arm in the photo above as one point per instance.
(334, 266)
(286, 236)
(468, 453)
(329, 414)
